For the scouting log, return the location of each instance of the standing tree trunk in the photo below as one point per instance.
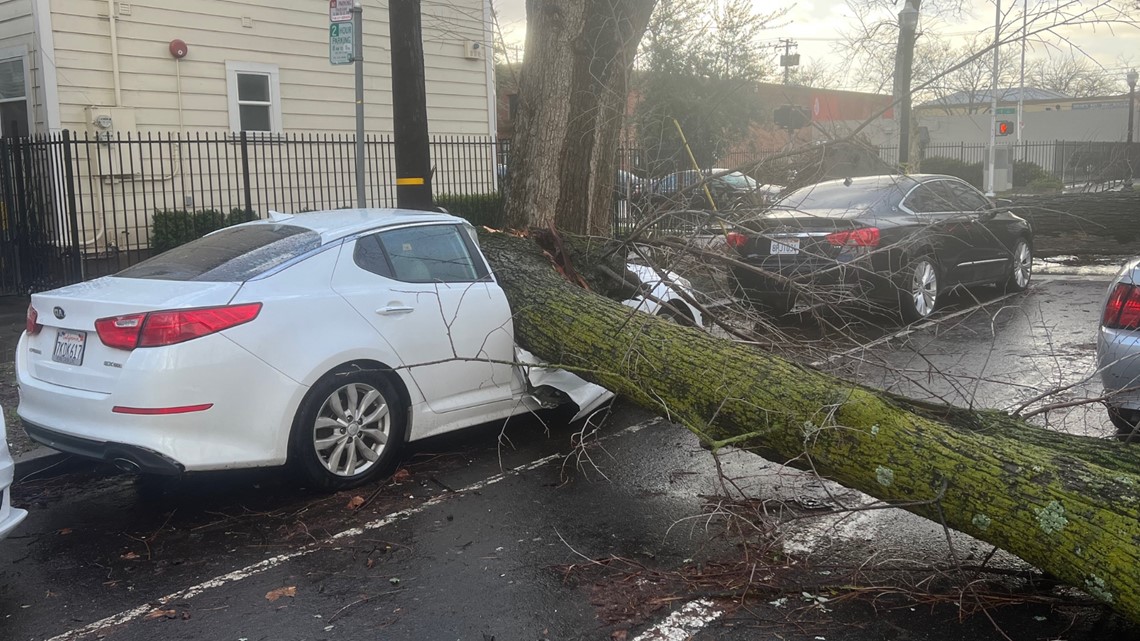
(563, 153)
(1069, 505)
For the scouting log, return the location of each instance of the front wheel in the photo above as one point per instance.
(1125, 423)
(919, 290)
(348, 430)
(1021, 268)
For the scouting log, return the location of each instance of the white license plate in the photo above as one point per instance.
(785, 246)
(69, 347)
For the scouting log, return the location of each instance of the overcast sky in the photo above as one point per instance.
(818, 24)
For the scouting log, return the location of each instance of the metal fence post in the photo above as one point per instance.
(245, 173)
(72, 212)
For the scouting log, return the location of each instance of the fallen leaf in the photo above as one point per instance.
(129, 556)
(355, 502)
(161, 614)
(64, 531)
(371, 563)
(401, 475)
(273, 595)
(619, 635)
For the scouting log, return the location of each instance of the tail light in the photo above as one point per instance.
(1123, 308)
(736, 240)
(157, 329)
(33, 326)
(861, 237)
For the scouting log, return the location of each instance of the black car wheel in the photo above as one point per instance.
(1020, 268)
(919, 289)
(348, 430)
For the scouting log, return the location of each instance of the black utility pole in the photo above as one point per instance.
(789, 59)
(409, 106)
(904, 62)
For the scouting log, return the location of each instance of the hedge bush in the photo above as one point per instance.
(173, 227)
(478, 209)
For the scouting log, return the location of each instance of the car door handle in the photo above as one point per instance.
(392, 310)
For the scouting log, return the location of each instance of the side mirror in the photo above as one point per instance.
(1003, 202)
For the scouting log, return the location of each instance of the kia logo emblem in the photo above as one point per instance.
(59, 313)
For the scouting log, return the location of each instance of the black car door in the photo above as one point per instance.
(991, 253)
(945, 228)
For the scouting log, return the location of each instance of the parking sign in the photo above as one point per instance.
(340, 10)
(341, 43)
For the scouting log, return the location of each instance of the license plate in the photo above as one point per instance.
(785, 246)
(69, 347)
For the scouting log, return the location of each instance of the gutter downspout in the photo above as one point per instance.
(115, 52)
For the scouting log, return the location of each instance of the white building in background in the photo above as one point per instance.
(248, 64)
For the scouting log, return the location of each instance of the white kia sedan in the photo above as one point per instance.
(10, 517)
(325, 340)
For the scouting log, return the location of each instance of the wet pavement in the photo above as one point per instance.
(509, 532)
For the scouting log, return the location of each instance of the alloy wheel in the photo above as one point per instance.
(352, 429)
(1022, 265)
(924, 288)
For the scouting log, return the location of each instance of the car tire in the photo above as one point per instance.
(348, 430)
(1020, 268)
(1125, 423)
(919, 289)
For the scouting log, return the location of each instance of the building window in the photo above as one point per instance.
(254, 96)
(14, 121)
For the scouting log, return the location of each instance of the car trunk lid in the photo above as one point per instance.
(68, 352)
(797, 236)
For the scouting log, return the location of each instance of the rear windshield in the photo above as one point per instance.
(834, 198)
(235, 254)
(737, 180)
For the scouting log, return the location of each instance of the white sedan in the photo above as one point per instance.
(10, 517)
(325, 340)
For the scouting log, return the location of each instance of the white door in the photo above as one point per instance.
(428, 291)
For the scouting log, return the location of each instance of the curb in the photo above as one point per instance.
(42, 459)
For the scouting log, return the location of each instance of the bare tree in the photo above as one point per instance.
(1073, 76)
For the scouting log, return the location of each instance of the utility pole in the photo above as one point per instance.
(904, 63)
(358, 60)
(993, 104)
(409, 106)
(788, 59)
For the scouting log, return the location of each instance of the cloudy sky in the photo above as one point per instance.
(818, 24)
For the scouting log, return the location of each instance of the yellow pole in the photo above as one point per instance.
(693, 159)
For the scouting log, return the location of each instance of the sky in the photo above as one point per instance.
(817, 26)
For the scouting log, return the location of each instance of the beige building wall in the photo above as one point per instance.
(192, 94)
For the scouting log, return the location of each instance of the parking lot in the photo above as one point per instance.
(521, 531)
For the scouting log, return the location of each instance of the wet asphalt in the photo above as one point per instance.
(511, 532)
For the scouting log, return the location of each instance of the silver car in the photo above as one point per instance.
(1118, 349)
(10, 517)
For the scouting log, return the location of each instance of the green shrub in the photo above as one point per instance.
(478, 209)
(173, 227)
(969, 172)
(1026, 173)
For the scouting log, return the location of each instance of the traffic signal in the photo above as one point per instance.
(791, 117)
(1004, 128)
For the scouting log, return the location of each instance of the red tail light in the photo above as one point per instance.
(33, 326)
(157, 329)
(862, 237)
(1123, 308)
(735, 240)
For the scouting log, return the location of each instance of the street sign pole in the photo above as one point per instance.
(358, 59)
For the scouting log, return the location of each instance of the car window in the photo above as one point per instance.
(234, 254)
(431, 254)
(369, 256)
(832, 198)
(945, 198)
(737, 180)
(923, 200)
(969, 199)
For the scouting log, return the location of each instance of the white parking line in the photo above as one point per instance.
(272, 562)
(910, 329)
(684, 623)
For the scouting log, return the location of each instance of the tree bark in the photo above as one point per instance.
(1103, 223)
(1067, 504)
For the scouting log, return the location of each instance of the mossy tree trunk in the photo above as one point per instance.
(1068, 505)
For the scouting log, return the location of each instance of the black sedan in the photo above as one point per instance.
(894, 240)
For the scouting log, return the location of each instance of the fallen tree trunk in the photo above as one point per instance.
(1068, 505)
(1092, 223)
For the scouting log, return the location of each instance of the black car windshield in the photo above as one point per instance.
(837, 198)
(235, 254)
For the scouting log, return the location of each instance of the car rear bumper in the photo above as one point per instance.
(824, 277)
(246, 424)
(1118, 359)
(10, 517)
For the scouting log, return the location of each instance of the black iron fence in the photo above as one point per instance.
(77, 207)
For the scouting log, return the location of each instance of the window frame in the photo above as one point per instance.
(21, 52)
(273, 72)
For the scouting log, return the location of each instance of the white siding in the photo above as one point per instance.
(17, 29)
(292, 34)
